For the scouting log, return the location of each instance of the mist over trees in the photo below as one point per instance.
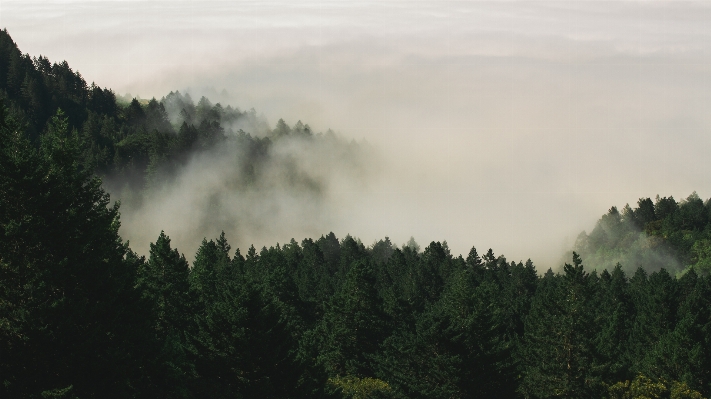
(655, 234)
(141, 143)
(83, 316)
(196, 165)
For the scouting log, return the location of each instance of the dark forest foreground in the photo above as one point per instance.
(82, 316)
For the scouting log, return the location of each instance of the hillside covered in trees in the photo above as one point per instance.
(175, 159)
(83, 316)
(141, 143)
(656, 234)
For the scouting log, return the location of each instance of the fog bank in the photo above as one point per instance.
(510, 125)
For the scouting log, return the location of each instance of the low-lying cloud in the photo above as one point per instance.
(510, 125)
(258, 190)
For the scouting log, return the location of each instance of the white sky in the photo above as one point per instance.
(511, 125)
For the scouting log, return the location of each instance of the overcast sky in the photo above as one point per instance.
(511, 125)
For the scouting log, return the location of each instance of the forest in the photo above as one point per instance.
(656, 234)
(84, 316)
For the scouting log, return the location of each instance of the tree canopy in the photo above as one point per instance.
(83, 316)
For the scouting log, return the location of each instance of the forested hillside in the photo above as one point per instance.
(83, 316)
(656, 234)
(139, 143)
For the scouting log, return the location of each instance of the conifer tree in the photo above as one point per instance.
(614, 315)
(477, 334)
(212, 261)
(655, 300)
(353, 326)
(557, 350)
(163, 281)
(71, 319)
(313, 277)
(246, 344)
(420, 362)
(684, 354)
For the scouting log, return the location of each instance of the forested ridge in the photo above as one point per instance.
(655, 234)
(139, 143)
(82, 315)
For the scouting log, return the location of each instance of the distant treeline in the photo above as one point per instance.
(656, 234)
(136, 140)
(83, 316)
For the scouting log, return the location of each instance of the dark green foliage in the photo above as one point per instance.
(163, 281)
(458, 347)
(434, 268)
(34, 89)
(82, 316)
(353, 325)
(244, 346)
(70, 316)
(313, 277)
(656, 300)
(246, 343)
(682, 353)
(663, 234)
(417, 362)
(614, 316)
(558, 351)
(211, 263)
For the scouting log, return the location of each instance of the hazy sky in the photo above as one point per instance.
(511, 125)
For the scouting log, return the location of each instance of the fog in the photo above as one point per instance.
(258, 190)
(510, 125)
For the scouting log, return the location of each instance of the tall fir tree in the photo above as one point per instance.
(163, 281)
(614, 314)
(558, 349)
(353, 326)
(72, 322)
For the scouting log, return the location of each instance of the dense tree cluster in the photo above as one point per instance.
(82, 316)
(656, 234)
(137, 140)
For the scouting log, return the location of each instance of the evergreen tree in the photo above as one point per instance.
(684, 354)
(245, 348)
(71, 319)
(163, 281)
(614, 315)
(475, 263)
(477, 334)
(655, 301)
(212, 261)
(353, 326)
(421, 362)
(558, 349)
(313, 277)
(278, 283)
(246, 343)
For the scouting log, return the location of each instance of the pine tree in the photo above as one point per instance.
(72, 320)
(476, 332)
(353, 326)
(163, 280)
(212, 262)
(655, 300)
(421, 362)
(558, 349)
(684, 354)
(614, 315)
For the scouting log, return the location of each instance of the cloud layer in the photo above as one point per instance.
(511, 125)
